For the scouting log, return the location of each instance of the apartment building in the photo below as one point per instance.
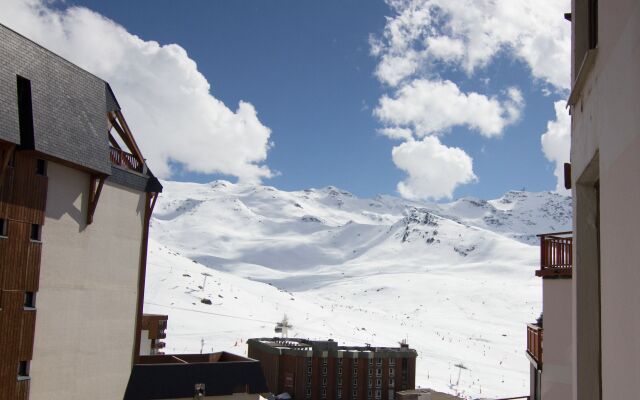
(76, 197)
(153, 330)
(605, 179)
(551, 370)
(319, 370)
(74, 218)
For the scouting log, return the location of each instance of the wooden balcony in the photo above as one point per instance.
(556, 255)
(125, 160)
(534, 343)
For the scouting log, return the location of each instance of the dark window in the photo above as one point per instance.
(36, 232)
(3, 227)
(23, 369)
(25, 113)
(585, 29)
(593, 24)
(29, 300)
(41, 167)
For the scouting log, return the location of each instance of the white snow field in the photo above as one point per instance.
(456, 280)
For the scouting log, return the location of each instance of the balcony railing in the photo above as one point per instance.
(125, 160)
(556, 255)
(534, 343)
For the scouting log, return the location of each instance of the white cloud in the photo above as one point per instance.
(433, 169)
(425, 39)
(473, 32)
(397, 133)
(433, 107)
(556, 143)
(165, 99)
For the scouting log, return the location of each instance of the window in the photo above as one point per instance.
(378, 393)
(392, 371)
(378, 382)
(308, 392)
(23, 370)
(25, 113)
(369, 393)
(41, 167)
(392, 362)
(355, 370)
(339, 370)
(339, 393)
(309, 370)
(378, 371)
(370, 371)
(370, 382)
(585, 23)
(354, 392)
(324, 392)
(29, 300)
(324, 361)
(355, 381)
(36, 232)
(324, 370)
(324, 381)
(392, 381)
(308, 380)
(391, 394)
(379, 361)
(4, 224)
(339, 381)
(339, 361)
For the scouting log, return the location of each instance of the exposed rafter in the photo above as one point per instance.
(95, 188)
(120, 124)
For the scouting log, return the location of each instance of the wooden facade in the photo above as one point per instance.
(363, 374)
(23, 197)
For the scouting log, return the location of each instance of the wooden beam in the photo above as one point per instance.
(95, 188)
(122, 127)
(113, 142)
(6, 159)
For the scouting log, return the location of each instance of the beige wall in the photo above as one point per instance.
(606, 123)
(557, 340)
(88, 290)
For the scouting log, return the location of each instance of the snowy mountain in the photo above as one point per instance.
(455, 279)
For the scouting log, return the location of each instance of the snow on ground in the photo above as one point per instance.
(450, 278)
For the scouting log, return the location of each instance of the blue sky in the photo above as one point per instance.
(308, 70)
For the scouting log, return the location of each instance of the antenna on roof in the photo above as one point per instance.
(283, 327)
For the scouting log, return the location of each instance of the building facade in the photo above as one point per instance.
(153, 329)
(74, 218)
(551, 369)
(605, 176)
(319, 370)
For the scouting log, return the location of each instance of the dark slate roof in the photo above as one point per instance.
(70, 107)
(163, 380)
(69, 103)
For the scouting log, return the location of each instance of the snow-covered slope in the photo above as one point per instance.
(455, 279)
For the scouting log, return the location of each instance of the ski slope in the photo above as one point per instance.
(456, 280)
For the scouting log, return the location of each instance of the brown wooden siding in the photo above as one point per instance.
(23, 196)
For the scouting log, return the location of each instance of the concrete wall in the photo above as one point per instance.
(145, 343)
(606, 130)
(88, 290)
(557, 340)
